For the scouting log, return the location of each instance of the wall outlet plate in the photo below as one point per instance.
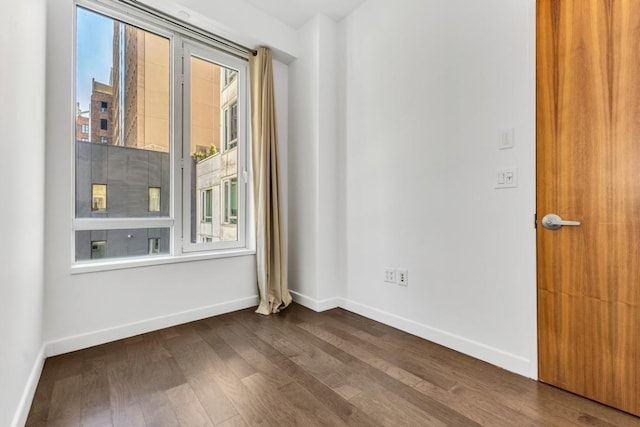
(403, 277)
(389, 275)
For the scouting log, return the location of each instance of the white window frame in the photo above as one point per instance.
(181, 249)
(225, 60)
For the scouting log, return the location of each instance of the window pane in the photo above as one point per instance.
(98, 249)
(233, 202)
(213, 121)
(154, 199)
(122, 94)
(121, 243)
(98, 197)
(154, 246)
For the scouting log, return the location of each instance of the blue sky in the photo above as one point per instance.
(94, 43)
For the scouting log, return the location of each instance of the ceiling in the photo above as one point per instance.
(295, 13)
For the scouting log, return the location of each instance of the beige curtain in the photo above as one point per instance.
(270, 247)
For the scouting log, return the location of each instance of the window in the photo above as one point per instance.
(164, 138)
(206, 206)
(230, 201)
(215, 100)
(154, 199)
(229, 76)
(231, 126)
(98, 197)
(84, 128)
(98, 249)
(154, 246)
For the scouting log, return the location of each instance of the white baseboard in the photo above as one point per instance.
(511, 362)
(90, 339)
(22, 412)
(314, 304)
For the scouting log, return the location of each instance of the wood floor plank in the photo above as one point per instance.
(66, 402)
(259, 362)
(187, 407)
(96, 405)
(197, 367)
(295, 368)
(276, 403)
(393, 365)
(158, 411)
(224, 376)
(236, 421)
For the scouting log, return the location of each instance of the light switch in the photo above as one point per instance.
(507, 139)
(507, 178)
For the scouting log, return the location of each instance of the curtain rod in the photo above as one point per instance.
(223, 42)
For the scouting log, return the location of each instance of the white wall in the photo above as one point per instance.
(86, 309)
(22, 146)
(429, 88)
(313, 249)
(236, 20)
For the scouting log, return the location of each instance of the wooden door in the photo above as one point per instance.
(588, 157)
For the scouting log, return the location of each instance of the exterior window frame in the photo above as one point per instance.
(226, 196)
(180, 248)
(206, 205)
(229, 116)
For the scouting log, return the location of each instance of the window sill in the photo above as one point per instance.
(124, 263)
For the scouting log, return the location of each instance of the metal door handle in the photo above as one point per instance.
(553, 222)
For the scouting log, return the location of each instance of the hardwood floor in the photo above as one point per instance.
(297, 368)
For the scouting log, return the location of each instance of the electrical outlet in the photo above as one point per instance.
(389, 275)
(403, 277)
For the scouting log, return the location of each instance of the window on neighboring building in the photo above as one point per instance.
(84, 128)
(143, 153)
(98, 197)
(154, 245)
(154, 199)
(206, 207)
(230, 126)
(230, 201)
(229, 76)
(98, 249)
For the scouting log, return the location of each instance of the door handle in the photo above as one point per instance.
(553, 222)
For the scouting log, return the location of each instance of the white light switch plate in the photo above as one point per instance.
(507, 178)
(507, 139)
